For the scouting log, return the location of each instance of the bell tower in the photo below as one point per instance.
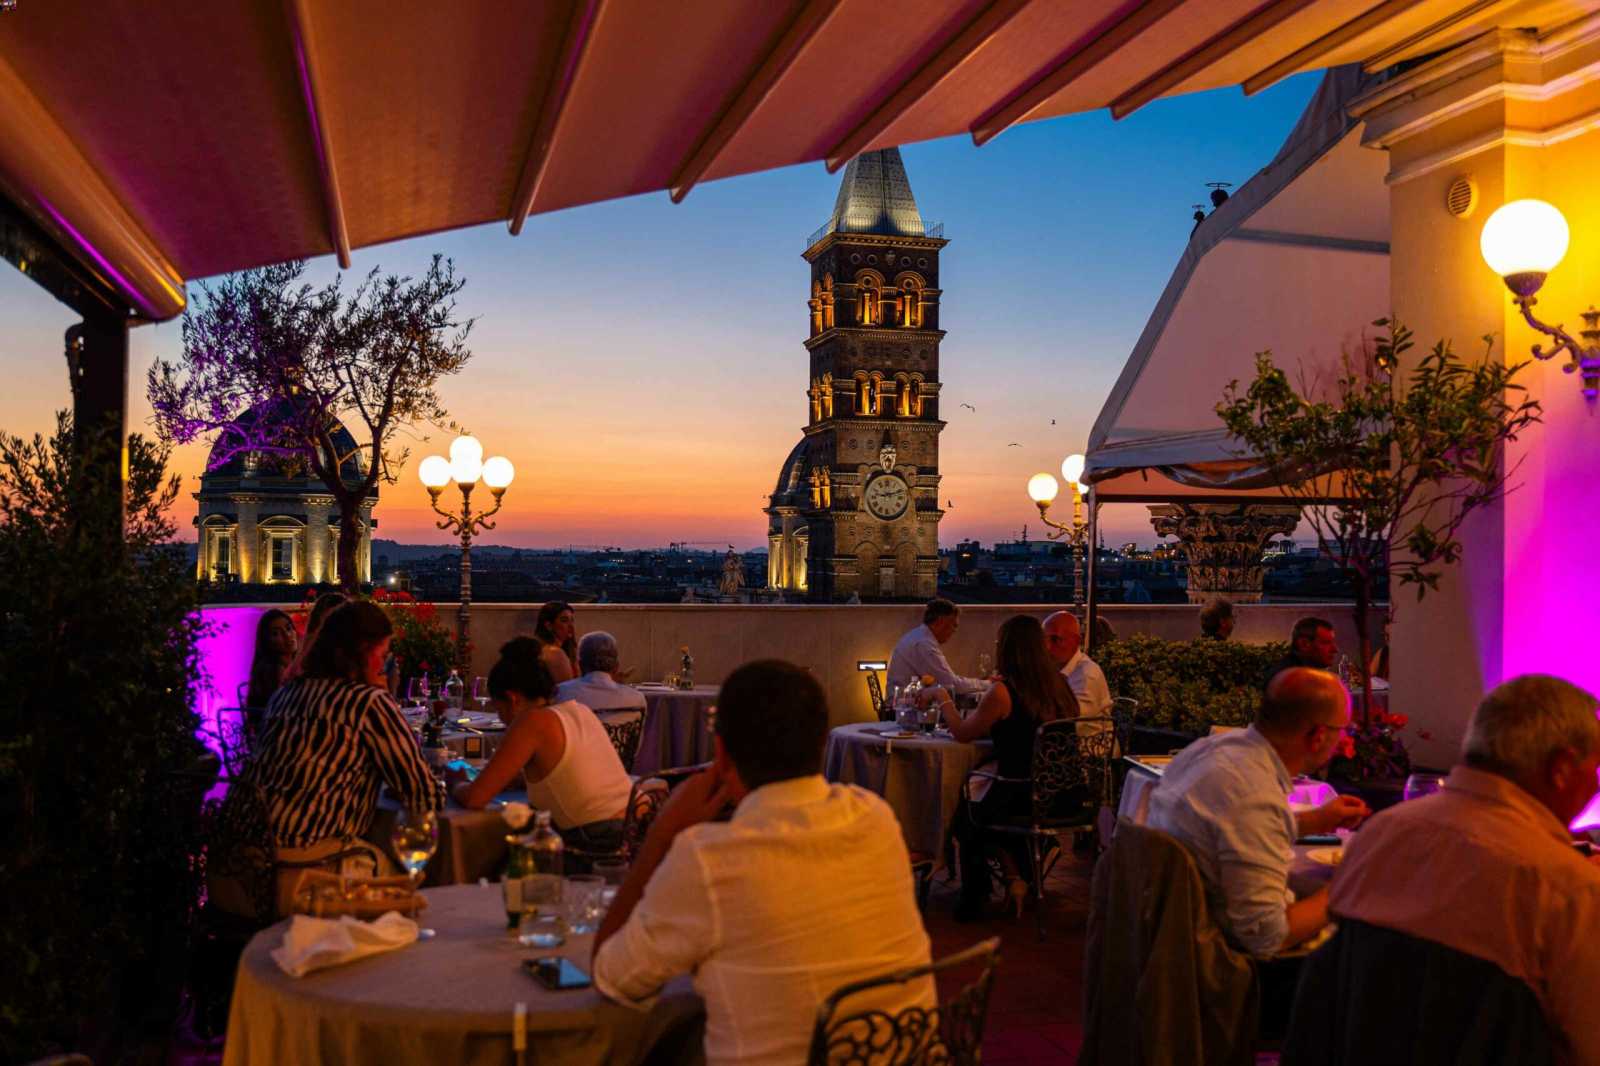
(856, 507)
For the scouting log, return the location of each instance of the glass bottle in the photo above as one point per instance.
(434, 751)
(542, 886)
(519, 867)
(454, 692)
(686, 671)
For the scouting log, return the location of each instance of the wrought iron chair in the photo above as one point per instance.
(1124, 713)
(880, 706)
(626, 729)
(1069, 755)
(951, 1033)
(645, 801)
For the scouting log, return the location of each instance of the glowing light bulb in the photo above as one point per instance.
(1524, 237)
(1042, 488)
(1072, 468)
(466, 459)
(498, 472)
(434, 471)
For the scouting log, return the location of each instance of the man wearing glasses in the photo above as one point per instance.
(1226, 799)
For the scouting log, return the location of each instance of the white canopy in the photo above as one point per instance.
(1296, 263)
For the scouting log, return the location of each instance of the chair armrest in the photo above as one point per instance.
(992, 776)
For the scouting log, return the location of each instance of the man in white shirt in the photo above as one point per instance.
(1063, 640)
(808, 887)
(918, 654)
(597, 687)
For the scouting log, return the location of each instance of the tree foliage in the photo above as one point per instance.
(265, 341)
(1407, 457)
(100, 771)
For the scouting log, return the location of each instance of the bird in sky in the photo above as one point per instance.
(949, 505)
(1052, 421)
(971, 408)
(1013, 444)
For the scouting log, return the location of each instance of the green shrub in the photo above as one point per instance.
(1188, 685)
(100, 779)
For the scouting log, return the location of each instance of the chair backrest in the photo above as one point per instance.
(1373, 994)
(1125, 711)
(232, 732)
(240, 850)
(625, 732)
(1097, 750)
(880, 706)
(952, 1032)
(1067, 760)
(645, 800)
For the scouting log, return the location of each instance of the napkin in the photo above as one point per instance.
(314, 943)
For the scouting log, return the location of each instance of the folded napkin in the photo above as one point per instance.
(314, 943)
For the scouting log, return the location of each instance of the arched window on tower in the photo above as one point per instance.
(869, 298)
(827, 395)
(914, 405)
(863, 394)
(827, 301)
(814, 394)
(902, 395)
(880, 392)
(816, 308)
(908, 301)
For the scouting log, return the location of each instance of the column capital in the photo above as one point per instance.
(1223, 543)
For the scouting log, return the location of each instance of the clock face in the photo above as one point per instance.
(887, 496)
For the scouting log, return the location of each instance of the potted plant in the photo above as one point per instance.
(1383, 457)
(422, 644)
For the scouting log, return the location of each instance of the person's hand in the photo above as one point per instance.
(935, 695)
(1341, 812)
(699, 799)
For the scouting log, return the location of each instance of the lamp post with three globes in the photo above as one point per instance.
(466, 466)
(1042, 488)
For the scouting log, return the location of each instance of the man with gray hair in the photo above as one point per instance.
(1487, 866)
(596, 686)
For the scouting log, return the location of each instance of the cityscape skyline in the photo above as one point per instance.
(636, 359)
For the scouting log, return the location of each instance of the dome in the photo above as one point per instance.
(243, 464)
(792, 489)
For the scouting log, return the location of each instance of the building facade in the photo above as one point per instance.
(262, 521)
(855, 511)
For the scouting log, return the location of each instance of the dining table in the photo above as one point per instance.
(453, 997)
(920, 775)
(677, 727)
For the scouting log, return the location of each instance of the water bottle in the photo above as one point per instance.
(434, 751)
(542, 887)
(686, 670)
(454, 693)
(519, 866)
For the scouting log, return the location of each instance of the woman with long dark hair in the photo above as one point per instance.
(556, 630)
(276, 643)
(326, 604)
(559, 749)
(333, 737)
(1030, 690)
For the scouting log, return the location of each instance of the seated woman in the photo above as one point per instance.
(325, 605)
(557, 633)
(561, 750)
(1031, 690)
(332, 738)
(276, 643)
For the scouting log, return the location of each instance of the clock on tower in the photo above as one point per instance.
(856, 506)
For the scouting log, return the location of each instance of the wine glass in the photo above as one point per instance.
(480, 692)
(417, 691)
(985, 666)
(1419, 785)
(415, 839)
(582, 897)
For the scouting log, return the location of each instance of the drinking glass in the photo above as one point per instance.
(415, 839)
(1419, 785)
(613, 872)
(985, 665)
(584, 907)
(480, 692)
(417, 691)
(930, 716)
(542, 928)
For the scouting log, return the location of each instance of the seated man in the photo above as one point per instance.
(1486, 866)
(918, 654)
(807, 888)
(1226, 798)
(596, 686)
(1063, 639)
(1216, 620)
(1311, 644)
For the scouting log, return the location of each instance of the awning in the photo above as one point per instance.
(160, 142)
(1296, 263)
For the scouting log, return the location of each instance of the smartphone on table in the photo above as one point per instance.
(556, 972)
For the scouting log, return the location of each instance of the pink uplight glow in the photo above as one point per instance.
(225, 653)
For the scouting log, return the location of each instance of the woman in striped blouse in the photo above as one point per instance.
(334, 736)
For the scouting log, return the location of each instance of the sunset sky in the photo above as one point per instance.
(641, 362)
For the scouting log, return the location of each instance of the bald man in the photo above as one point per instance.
(1226, 798)
(1063, 639)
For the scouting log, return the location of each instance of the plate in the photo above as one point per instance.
(899, 734)
(1326, 856)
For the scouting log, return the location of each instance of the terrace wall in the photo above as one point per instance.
(829, 639)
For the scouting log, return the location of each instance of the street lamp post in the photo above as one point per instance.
(466, 466)
(1042, 488)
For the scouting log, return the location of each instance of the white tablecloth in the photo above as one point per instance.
(920, 777)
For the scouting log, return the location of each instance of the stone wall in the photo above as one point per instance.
(828, 639)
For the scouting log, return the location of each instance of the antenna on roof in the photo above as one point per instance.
(1199, 215)
(1219, 192)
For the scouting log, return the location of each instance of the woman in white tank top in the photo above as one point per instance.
(561, 750)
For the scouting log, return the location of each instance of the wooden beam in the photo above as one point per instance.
(1301, 58)
(1197, 59)
(301, 33)
(963, 47)
(574, 46)
(1465, 13)
(1077, 61)
(811, 17)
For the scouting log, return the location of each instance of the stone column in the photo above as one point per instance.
(1223, 543)
(318, 543)
(245, 540)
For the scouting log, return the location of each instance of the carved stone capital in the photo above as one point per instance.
(1223, 543)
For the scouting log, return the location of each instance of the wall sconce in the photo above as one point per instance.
(1522, 242)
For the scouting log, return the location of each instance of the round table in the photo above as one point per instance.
(677, 727)
(449, 999)
(920, 777)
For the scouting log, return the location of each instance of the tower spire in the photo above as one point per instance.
(875, 197)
